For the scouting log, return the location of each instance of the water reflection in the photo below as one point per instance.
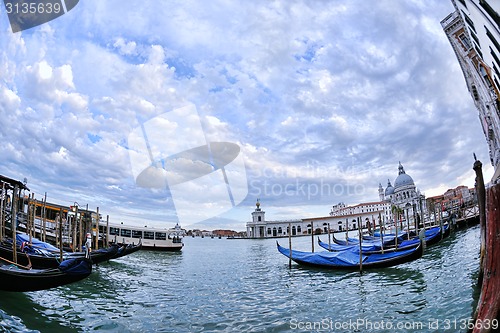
(245, 285)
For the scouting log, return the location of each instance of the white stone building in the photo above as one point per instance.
(473, 31)
(403, 199)
(404, 196)
(260, 228)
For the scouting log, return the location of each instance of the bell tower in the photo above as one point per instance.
(380, 192)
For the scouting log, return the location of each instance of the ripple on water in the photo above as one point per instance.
(246, 285)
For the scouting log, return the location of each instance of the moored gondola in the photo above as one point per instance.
(21, 278)
(349, 260)
(126, 249)
(432, 236)
(48, 259)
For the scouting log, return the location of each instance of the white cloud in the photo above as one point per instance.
(308, 90)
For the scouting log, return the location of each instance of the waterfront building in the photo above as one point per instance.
(403, 198)
(347, 221)
(453, 199)
(260, 228)
(366, 211)
(473, 32)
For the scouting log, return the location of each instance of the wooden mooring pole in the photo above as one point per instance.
(97, 220)
(74, 236)
(81, 233)
(312, 236)
(13, 220)
(44, 218)
(60, 235)
(289, 245)
(481, 201)
(360, 246)
(107, 231)
(381, 235)
(329, 241)
(2, 212)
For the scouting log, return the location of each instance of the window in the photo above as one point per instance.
(280, 231)
(114, 231)
(160, 236)
(136, 234)
(491, 12)
(149, 235)
(259, 218)
(125, 233)
(469, 21)
(299, 229)
(465, 41)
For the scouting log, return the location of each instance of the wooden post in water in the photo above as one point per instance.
(2, 213)
(360, 246)
(44, 217)
(35, 202)
(329, 241)
(396, 239)
(408, 224)
(98, 219)
(347, 231)
(107, 230)
(28, 218)
(481, 202)
(381, 235)
(312, 235)
(14, 222)
(289, 245)
(81, 234)
(414, 208)
(74, 235)
(31, 217)
(60, 235)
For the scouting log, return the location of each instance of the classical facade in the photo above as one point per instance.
(403, 199)
(260, 228)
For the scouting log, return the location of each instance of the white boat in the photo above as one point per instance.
(152, 238)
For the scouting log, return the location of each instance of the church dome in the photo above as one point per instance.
(403, 179)
(389, 190)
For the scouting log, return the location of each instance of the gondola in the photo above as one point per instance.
(20, 278)
(349, 260)
(432, 236)
(388, 241)
(370, 248)
(126, 249)
(48, 259)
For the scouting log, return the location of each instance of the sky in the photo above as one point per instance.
(190, 111)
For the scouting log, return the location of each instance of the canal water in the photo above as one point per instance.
(221, 285)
